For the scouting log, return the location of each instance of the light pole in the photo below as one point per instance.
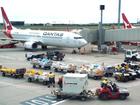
(119, 11)
(100, 36)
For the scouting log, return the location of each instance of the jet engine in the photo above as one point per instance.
(30, 45)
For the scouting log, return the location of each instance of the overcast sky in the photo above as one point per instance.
(69, 11)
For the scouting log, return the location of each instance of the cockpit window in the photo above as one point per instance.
(78, 37)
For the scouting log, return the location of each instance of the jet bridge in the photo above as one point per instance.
(112, 35)
(123, 35)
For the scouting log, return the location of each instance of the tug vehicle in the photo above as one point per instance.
(111, 91)
(132, 55)
(55, 55)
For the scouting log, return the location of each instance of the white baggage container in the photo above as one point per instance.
(74, 83)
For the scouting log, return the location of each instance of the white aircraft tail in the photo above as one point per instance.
(7, 26)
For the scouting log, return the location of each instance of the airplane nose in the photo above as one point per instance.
(84, 42)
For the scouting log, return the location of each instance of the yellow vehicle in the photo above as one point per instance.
(37, 76)
(17, 73)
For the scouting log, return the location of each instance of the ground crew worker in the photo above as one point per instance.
(60, 82)
(51, 79)
(126, 67)
(104, 82)
(118, 67)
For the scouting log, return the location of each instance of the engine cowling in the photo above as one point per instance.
(30, 45)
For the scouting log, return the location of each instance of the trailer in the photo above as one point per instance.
(95, 71)
(63, 67)
(41, 63)
(37, 76)
(17, 73)
(74, 85)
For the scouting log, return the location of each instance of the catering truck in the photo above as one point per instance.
(74, 85)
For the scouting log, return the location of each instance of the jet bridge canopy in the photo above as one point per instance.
(123, 35)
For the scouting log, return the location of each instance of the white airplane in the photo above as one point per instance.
(33, 38)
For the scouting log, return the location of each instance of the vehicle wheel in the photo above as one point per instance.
(95, 77)
(123, 96)
(49, 67)
(3, 74)
(29, 79)
(83, 98)
(106, 75)
(15, 76)
(104, 96)
(44, 82)
(34, 66)
(55, 69)
(125, 79)
(110, 74)
(134, 58)
(39, 66)
(116, 78)
(22, 75)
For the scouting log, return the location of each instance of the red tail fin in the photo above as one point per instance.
(126, 23)
(6, 23)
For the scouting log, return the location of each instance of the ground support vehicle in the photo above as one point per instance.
(134, 67)
(95, 71)
(16, 73)
(132, 55)
(74, 86)
(112, 91)
(55, 55)
(62, 67)
(37, 76)
(109, 70)
(42, 63)
(29, 56)
(9, 45)
(124, 76)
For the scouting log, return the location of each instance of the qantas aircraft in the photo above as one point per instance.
(33, 38)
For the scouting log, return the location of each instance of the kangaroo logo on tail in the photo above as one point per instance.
(126, 23)
(6, 24)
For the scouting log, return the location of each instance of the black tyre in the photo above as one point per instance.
(122, 96)
(29, 79)
(95, 77)
(55, 69)
(125, 79)
(39, 66)
(103, 96)
(22, 75)
(44, 82)
(134, 58)
(16, 76)
(3, 74)
(106, 75)
(83, 98)
(34, 66)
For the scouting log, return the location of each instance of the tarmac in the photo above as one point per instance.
(20, 92)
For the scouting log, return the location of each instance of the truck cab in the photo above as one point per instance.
(132, 55)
